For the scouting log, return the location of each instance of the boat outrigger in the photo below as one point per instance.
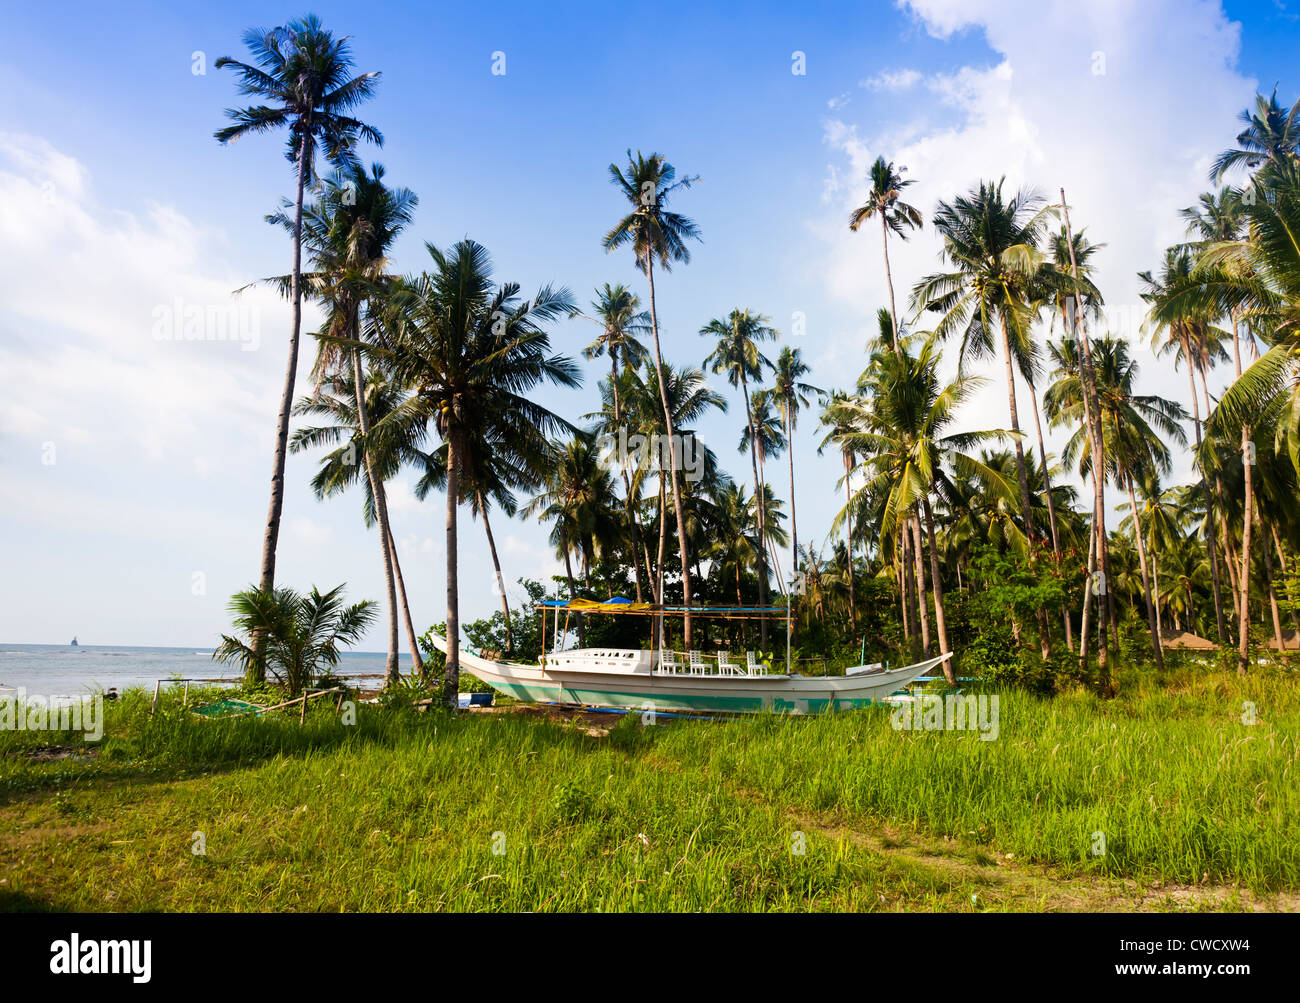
(668, 680)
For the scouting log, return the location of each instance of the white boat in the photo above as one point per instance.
(668, 681)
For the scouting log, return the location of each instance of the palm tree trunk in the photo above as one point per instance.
(1146, 584)
(848, 531)
(936, 586)
(633, 528)
(1205, 487)
(271, 537)
(1051, 512)
(1031, 532)
(573, 594)
(922, 603)
(496, 564)
(889, 281)
(761, 509)
(1243, 640)
(1272, 594)
(794, 520)
(381, 514)
(417, 663)
(451, 677)
(672, 459)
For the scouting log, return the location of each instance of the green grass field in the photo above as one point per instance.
(535, 811)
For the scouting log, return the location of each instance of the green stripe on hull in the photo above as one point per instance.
(548, 693)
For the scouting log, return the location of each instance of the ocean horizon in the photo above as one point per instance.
(65, 670)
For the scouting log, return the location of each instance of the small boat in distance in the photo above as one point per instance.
(74, 643)
(667, 680)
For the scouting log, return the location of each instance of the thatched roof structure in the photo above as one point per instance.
(1186, 641)
(1290, 641)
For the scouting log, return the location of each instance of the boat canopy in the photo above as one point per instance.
(621, 605)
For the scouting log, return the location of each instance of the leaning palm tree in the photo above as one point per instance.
(303, 80)
(475, 353)
(835, 420)
(736, 354)
(884, 201)
(790, 393)
(348, 233)
(655, 232)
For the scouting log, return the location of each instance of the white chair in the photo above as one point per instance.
(753, 666)
(725, 668)
(669, 662)
(698, 667)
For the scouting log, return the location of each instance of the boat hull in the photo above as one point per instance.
(670, 692)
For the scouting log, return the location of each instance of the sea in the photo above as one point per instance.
(64, 670)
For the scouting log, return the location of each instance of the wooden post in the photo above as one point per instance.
(302, 716)
(154, 706)
(185, 700)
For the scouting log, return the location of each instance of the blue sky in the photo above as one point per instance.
(114, 200)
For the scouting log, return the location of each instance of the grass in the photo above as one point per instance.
(515, 811)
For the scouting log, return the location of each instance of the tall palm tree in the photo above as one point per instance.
(901, 427)
(884, 201)
(993, 245)
(348, 233)
(835, 420)
(475, 352)
(655, 232)
(790, 393)
(764, 434)
(1271, 137)
(621, 319)
(1134, 427)
(1175, 317)
(303, 79)
(736, 353)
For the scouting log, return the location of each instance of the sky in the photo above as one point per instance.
(134, 467)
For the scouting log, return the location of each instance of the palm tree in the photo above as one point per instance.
(901, 428)
(619, 313)
(474, 353)
(341, 467)
(835, 420)
(736, 353)
(884, 200)
(348, 233)
(1176, 318)
(992, 244)
(1271, 137)
(292, 634)
(575, 498)
(764, 434)
(655, 232)
(1132, 427)
(303, 79)
(790, 393)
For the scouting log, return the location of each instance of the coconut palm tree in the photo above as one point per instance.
(575, 500)
(790, 393)
(835, 419)
(737, 355)
(992, 243)
(1134, 429)
(348, 233)
(885, 202)
(1271, 137)
(654, 232)
(304, 83)
(1175, 319)
(901, 427)
(293, 635)
(622, 322)
(475, 353)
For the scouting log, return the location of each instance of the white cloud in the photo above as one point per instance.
(893, 80)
